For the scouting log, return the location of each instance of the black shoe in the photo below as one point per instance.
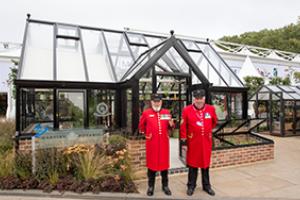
(190, 191)
(150, 191)
(166, 190)
(210, 191)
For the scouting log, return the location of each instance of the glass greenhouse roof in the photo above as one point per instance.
(290, 93)
(65, 52)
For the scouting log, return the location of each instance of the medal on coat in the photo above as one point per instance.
(207, 116)
(199, 123)
(165, 117)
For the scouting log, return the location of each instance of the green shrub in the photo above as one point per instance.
(7, 132)
(7, 163)
(115, 143)
(50, 162)
(87, 161)
(23, 163)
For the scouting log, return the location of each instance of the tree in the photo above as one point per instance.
(253, 83)
(280, 81)
(286, 38)
(12, 77)
(297, 77)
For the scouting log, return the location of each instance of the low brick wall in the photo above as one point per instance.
(242, 155)
(220, 157)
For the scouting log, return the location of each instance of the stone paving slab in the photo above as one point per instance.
(279, 178)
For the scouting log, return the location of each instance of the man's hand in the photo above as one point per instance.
(171, 123)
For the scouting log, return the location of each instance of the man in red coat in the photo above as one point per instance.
(154, 123)
(196, 126)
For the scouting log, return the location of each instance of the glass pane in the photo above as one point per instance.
(209, 72)
(36, 109)
(140, 62)
(69, 60)
(138, 50)
(136, 38)
(286, 88)
(70, 109)
(27, 110)
(190, 45)
(44, 105)
(38, 54)
(236, 105)
(145, 85)
(177, 59)
(274, 88)
(129, 110)
(286, 96)
(119, 52)
(101, 109)
(229, 77)
(243, 139)
(250, 125)
(232, 126)
(98, 65)
(219, 101)
(152, 41)
(67, 30)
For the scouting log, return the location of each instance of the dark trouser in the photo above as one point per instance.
(151, 178)
(192, 178)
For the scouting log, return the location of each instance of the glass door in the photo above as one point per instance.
(71, 109)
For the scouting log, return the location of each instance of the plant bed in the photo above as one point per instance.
(69, 183)
(238, 140)
(102, 167)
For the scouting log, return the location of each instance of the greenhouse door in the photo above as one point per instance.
(174, 91)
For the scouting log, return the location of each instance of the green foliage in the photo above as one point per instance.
(12, 77)
(7, 132)
(286, 38)
(7, 163)
(116, 143)
(253, 83)
(89, 165)
(23, 165)
(280, 81)
(53, 177)
(297, 76)
(49, 163)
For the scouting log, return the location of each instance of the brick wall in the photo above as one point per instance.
(244, 155)
(137, 155)
(25, 145)
(220, 158)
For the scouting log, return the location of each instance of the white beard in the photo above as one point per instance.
(156, 109)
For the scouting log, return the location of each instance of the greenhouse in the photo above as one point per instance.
(78, 79)
(280, 105)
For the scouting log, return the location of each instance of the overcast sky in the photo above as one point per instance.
(208, 19)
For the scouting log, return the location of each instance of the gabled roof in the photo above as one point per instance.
(64, 52)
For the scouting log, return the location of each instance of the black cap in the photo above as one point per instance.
(156, 97)
(199, 93)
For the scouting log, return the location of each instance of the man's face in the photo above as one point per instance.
(156, 105)
(199, 101)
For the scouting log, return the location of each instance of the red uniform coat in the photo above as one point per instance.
(155, 127)
(196, 126)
